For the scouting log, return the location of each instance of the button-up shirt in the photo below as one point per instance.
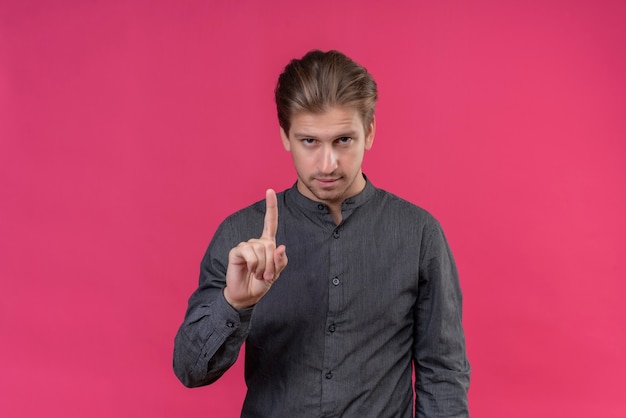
(337, 334)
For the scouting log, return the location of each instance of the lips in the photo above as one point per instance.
(326, 181)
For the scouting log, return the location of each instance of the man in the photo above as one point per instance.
(368, 285)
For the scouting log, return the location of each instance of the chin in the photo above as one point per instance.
(328, 196)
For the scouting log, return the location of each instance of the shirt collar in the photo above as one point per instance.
(351, 203)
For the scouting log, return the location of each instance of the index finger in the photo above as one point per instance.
(271, 215)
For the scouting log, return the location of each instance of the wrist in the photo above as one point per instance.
(236, 305)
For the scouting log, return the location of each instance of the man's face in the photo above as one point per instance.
(327, 150)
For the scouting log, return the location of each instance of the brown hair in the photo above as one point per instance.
(320, 80)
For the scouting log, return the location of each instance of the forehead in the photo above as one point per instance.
(335, 120)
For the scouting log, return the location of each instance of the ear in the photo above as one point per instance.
(369, 135)
(285, 139)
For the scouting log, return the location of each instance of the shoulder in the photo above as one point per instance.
(248, 221)
(245, 220)
(410, 225)
(403, 211)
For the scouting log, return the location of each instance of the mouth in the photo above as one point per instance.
(327, 182)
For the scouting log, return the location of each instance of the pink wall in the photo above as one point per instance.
(130, 129)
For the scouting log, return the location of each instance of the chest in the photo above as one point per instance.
(358, 275)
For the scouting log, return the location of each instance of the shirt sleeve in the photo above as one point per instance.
(210, 338)
(442, 370)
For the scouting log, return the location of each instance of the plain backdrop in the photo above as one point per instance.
(130, 129)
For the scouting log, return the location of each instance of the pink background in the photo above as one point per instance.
(130, 129)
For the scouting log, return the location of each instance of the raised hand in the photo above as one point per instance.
(255, 264)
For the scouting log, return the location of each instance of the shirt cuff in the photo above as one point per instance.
(233, 317)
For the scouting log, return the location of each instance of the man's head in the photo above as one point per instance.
(321, 80)
(326, 112)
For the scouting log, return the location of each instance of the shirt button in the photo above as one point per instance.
(336, 281)
(321, 207)
(229, 324)
(332, 328)
(335, 234)
(329, 375)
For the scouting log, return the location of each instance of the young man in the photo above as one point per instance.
(368, 286)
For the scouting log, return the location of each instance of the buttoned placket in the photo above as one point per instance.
(331, 376)
(337, 268)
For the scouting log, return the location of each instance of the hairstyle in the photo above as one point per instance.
(320, 80)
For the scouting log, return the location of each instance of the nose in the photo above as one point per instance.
(328, 162)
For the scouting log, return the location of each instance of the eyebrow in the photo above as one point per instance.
(350, 134)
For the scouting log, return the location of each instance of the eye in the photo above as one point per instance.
(344, 140)
(308, 141)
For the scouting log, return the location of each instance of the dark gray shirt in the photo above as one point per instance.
(338, 332)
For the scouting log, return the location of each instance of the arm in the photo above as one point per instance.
(441, 366)
(231, 283)
(209, 340)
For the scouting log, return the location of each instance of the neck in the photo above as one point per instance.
(335, 212)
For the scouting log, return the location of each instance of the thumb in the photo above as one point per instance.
(280, 259)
